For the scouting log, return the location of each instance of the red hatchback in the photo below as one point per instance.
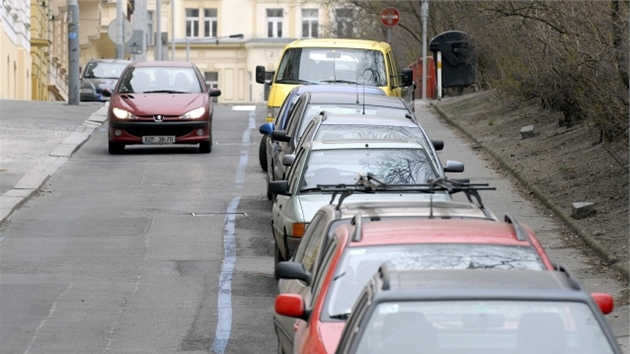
(356, 252)
(161, 103)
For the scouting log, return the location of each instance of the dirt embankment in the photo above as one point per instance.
(558, 166)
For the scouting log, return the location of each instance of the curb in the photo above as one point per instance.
(588, 239)
(33, 180)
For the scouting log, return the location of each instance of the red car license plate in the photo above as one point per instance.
(156, 139)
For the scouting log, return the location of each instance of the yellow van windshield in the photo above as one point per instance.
(301, 66)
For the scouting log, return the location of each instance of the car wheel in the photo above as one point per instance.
(277, 257)
(116, 148)
(205, 147)
(270, 195)
(262, 154)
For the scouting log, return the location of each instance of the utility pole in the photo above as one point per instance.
(425, 15)
(73, 53)
(158, 28)
(120, 30)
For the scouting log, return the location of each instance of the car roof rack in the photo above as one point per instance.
(371, 185)
(384, 273)
(521, 234)
(357, 222)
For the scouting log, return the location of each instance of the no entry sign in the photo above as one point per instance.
(390, 16)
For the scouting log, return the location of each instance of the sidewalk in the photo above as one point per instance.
(36, 138)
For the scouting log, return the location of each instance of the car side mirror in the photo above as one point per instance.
(266, 129)
(407, 77)
(280, 187)
(604, 301)
(106, 93)
(280, 135)
(293, 271)
(453, 166)
(214, 92)
(287, 160)
(438, 144)
(291, 305)
(261, 75)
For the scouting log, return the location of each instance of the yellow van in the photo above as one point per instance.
(334, 61)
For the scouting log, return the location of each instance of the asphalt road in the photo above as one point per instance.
(166, 250)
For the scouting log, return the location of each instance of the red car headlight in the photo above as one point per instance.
(123, 114)
(194, 114)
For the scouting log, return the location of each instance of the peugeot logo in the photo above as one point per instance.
(158, 118)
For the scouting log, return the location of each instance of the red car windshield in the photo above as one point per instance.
(160, 80)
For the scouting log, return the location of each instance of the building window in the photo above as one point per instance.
(345, 28)
(150, 28)
(274, 23)
(192, 22)
(310, 23)
(209, 22)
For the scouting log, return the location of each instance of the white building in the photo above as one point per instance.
(203, 31)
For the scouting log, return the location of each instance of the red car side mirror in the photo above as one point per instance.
(291, 305)
(604, 301)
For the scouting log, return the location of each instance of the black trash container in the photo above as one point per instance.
(459, 61)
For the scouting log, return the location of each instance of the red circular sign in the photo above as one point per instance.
(390, 16)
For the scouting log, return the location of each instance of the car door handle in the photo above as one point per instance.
(295, 326)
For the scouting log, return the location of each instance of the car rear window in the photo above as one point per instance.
(367, 131)
(489, 326)
(359, 264)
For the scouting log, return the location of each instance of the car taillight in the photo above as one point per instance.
(272, 112)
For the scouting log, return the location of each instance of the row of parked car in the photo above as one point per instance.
(373, 255)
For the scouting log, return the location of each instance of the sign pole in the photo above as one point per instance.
(73, 53)
(120, 28)
(425, 14)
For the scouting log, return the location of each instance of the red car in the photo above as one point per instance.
(355, 253)
(160, 103)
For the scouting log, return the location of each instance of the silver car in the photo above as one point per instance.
(310, 104)
(329, 162)
(99, 75)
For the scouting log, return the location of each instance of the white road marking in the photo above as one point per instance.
(224, 323)
(244, 108)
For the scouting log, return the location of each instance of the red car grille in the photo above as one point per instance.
(142, 131)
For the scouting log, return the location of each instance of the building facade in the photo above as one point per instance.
(15, 49)
(226, 39)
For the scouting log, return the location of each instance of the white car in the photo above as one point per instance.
(319, 165)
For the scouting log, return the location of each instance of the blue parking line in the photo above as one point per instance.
(224, 322)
